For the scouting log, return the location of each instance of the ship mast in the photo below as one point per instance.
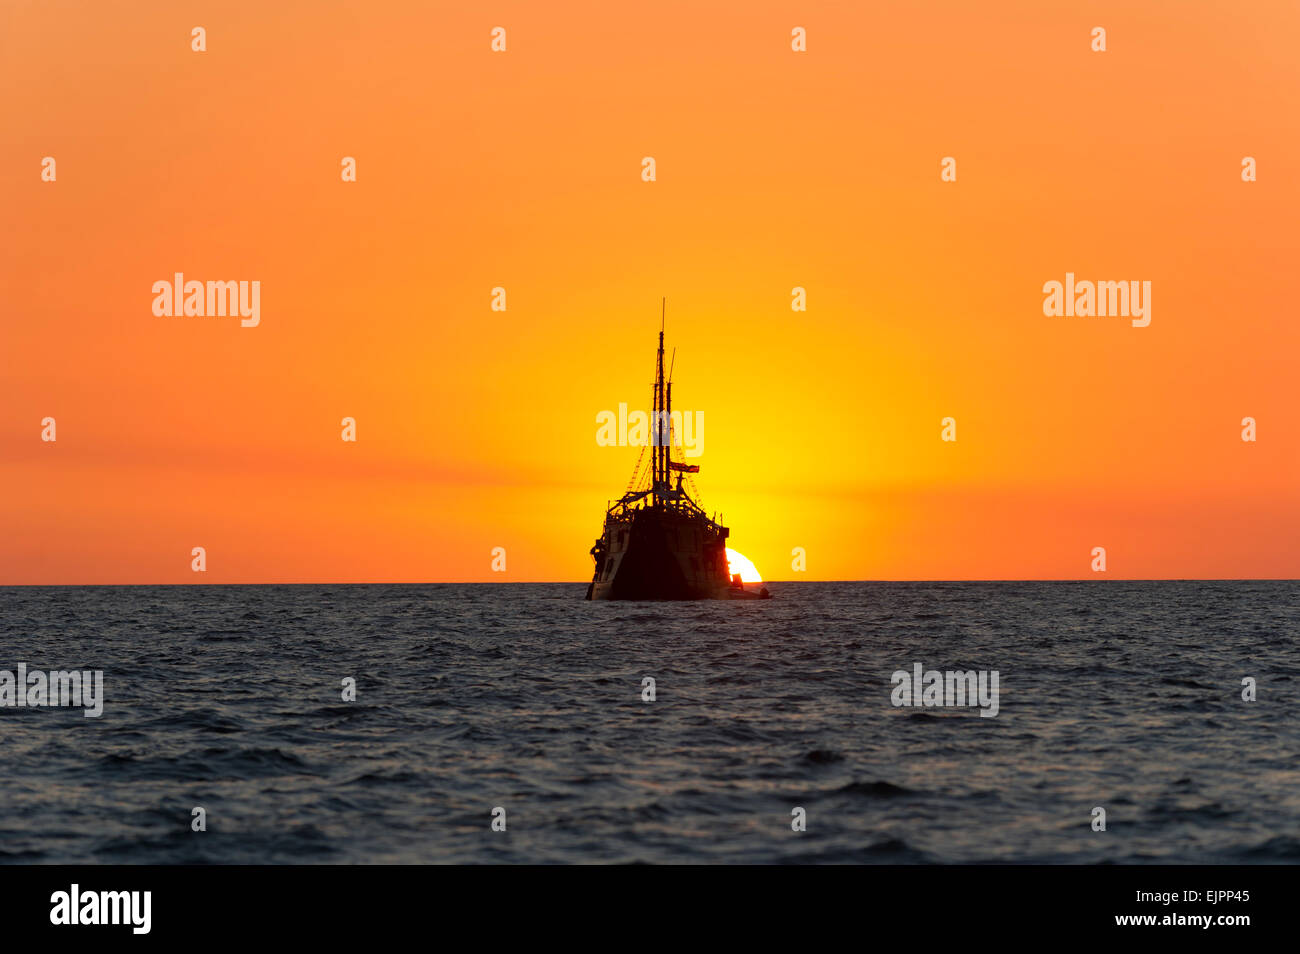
(660, 456)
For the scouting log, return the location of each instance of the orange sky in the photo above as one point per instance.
(522, 169)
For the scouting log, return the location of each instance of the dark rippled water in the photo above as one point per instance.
(1120, 695)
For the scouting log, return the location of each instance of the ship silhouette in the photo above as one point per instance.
(657, 543)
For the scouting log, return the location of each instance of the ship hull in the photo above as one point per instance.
(604, 591)
(654, 554)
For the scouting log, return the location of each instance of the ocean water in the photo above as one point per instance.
(1125, 696)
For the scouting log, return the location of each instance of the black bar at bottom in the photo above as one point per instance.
(331, 904)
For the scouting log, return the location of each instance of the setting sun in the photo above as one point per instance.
(739, 563)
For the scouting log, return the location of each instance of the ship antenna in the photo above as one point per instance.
(668, 450)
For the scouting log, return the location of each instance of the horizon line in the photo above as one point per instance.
(1148, 579)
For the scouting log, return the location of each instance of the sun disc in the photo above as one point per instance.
(739, 563)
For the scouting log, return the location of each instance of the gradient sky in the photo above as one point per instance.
(775, 169)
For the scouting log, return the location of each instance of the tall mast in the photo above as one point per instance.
(660, 467)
